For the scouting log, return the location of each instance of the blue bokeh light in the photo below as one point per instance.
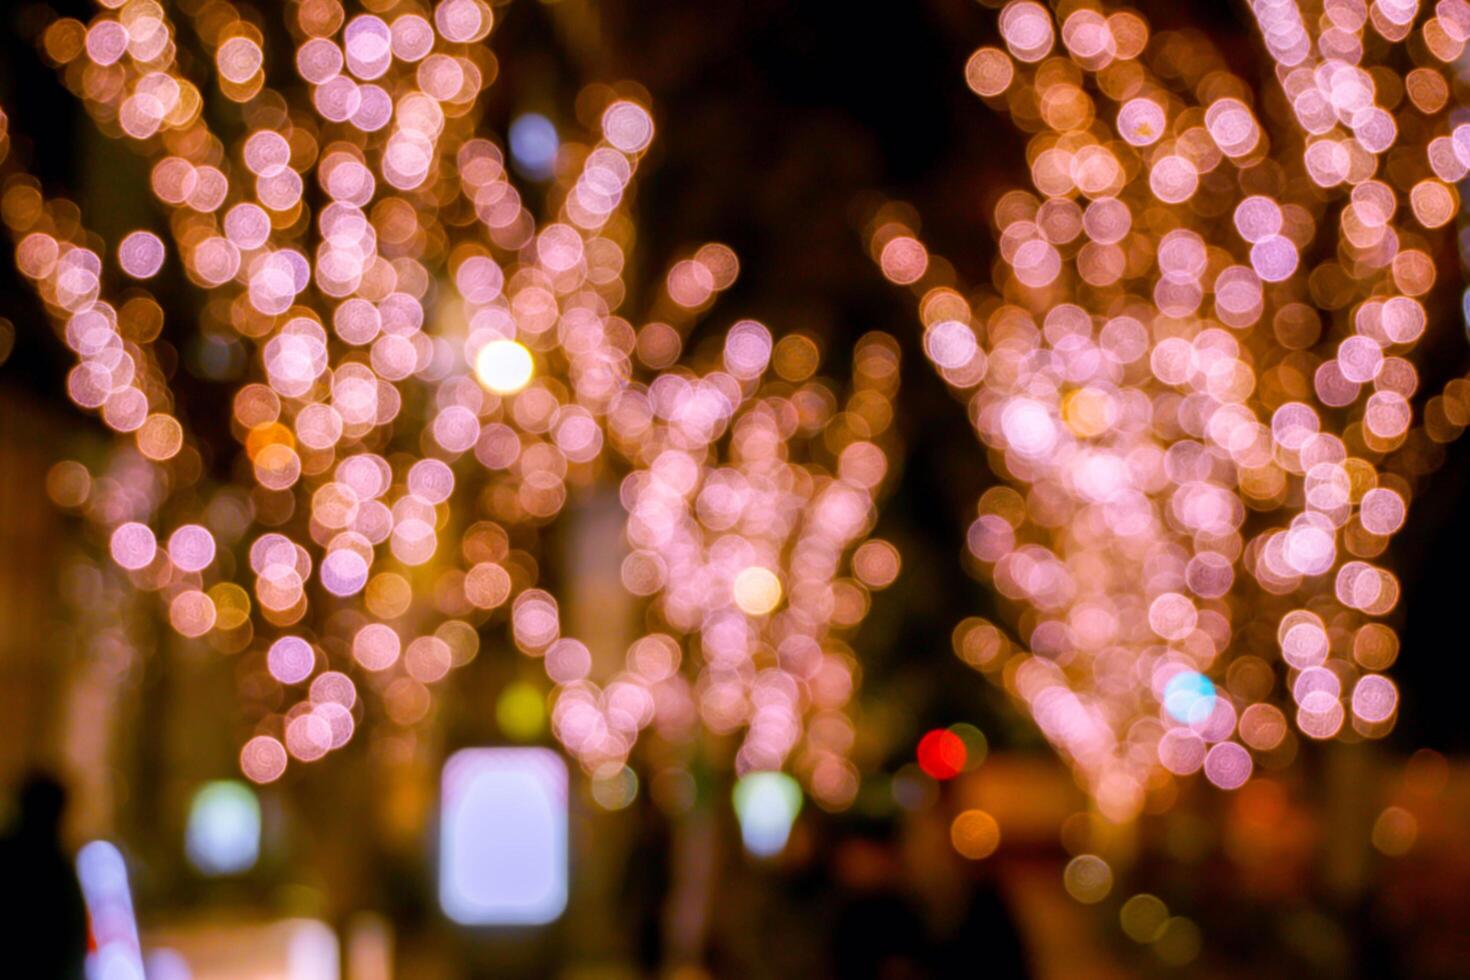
(1189, 696)
(766, 804)
(533, 146)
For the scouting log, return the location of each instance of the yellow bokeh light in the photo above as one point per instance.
(504, 366)
(1086, 412)
(1395, 831)
(1088, 878)
(1144, 917)
(521, 711)
(975, 834)
(757, 590)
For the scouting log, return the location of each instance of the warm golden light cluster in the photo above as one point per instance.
(1192, 370)
(419, 373)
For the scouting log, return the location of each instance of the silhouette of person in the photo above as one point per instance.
(44, 930)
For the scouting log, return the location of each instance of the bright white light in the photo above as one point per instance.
(504, 366)
(757, 590)
(766, 804)
(312, 952)
(103, 876)
(223, 837)
(503, 837)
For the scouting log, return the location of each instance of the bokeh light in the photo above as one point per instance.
(1192, 371)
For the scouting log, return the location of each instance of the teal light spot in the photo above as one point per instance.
(1189, 697)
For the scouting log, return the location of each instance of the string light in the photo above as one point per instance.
(1192, 375)
(419, 372)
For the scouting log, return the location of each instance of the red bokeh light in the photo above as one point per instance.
(942, 754)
